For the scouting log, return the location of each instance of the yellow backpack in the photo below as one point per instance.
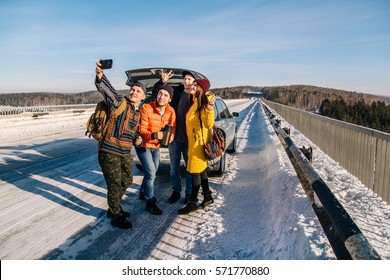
(98, 122)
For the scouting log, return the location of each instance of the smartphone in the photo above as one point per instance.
(106, 63)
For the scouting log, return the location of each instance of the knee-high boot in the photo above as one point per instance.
(191, 203)
(207, 199)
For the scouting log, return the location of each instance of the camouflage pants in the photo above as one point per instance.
(118, 174)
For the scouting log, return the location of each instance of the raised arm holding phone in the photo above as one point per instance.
(114, 149)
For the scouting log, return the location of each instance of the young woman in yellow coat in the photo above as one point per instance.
(199, 120)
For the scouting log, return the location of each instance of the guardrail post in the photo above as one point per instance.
(308, 152)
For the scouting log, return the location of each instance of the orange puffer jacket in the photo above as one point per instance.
(152, 121)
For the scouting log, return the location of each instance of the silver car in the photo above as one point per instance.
(223, 118)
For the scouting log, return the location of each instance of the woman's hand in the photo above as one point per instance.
(210, 105)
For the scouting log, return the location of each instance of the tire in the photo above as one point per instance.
(233, 146)
(221, 166)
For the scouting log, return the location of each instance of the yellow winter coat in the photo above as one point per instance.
(197, 162)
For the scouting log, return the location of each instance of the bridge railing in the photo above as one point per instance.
(363, 152)
(346, 239)
(9, 110)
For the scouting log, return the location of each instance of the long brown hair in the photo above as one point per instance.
(201, 96)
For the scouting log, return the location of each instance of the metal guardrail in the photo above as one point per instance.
(346, 239)
(9, 110)
(363, 152)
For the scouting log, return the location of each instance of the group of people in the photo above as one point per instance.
(189, 112)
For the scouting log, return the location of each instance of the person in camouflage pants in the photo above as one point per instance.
(120, 133)
(118, 174)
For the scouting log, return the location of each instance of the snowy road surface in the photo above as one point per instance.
(53, 200)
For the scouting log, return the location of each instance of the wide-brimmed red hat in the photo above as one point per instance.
(203, 83)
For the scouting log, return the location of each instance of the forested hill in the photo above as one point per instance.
(310, 98)
(357, 108)
(300, 96)
(49, 98)
(90, 97)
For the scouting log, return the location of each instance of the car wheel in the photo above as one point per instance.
(233, 146)
(221, 166)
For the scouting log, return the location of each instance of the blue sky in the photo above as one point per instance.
(53, 45)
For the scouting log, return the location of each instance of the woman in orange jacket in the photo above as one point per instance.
(154, 117)
(199, 120)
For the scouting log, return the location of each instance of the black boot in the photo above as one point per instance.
(152, 207)
(190, 207)
(174, 197)
(123, 213)
(192, 200)
(121, 222)
(207, 200)
(188, 197)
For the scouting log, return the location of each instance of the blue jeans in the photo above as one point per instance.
(150, 159)
(176, 150)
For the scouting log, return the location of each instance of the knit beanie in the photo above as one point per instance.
(168, 88)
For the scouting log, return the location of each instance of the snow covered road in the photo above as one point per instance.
(53, 200)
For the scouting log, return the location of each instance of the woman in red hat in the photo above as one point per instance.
(199, 120)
